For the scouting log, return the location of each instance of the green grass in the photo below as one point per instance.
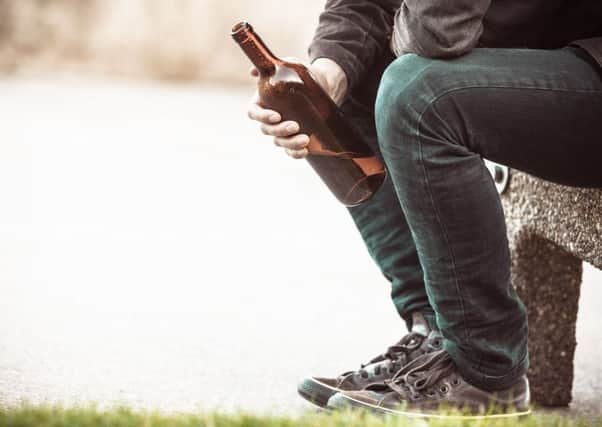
(30, 416)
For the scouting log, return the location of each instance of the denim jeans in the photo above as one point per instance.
(436, 228)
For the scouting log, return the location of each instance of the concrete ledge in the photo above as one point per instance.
(551, 229)
(569, 217)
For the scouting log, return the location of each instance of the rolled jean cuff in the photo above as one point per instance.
(479, 379)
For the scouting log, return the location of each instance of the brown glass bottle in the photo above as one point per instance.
(343, 160)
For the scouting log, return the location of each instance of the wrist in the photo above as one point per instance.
(334, 77)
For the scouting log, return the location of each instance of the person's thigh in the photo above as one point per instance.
(539, 111)
(535, 110)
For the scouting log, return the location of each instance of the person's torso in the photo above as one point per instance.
(540, 24)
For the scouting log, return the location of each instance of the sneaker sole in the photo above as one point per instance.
(316, 392)
(341, 401)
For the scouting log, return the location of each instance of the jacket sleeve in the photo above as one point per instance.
(354, 33)
(438, 28)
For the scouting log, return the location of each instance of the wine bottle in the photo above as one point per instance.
(346, 164)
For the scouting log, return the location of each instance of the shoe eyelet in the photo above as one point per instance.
(456, 382)
(437, 343)
(444, 389)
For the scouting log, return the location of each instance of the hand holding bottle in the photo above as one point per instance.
(314, 126)
(286, 134)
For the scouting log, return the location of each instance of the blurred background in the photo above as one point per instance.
(179, 40)
(155, 249)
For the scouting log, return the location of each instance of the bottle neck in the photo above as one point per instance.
(252, 45)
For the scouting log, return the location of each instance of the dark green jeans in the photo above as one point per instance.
(436, 229)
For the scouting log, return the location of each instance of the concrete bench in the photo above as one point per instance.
(551, 229)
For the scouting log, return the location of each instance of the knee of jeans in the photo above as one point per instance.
(409, 85)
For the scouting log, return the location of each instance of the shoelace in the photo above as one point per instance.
(397, 352)
(421, 374)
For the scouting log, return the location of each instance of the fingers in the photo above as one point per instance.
(294, 146)
(283, 129)
(297, 154)
(297, 142)
(262, 115)
(285, 133)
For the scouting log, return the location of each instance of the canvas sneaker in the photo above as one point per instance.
(431, 387)
(421, 340)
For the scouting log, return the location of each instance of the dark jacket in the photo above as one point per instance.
(357, 34)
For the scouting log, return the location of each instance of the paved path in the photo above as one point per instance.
(156, 251)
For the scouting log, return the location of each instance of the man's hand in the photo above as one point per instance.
(286, 134)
